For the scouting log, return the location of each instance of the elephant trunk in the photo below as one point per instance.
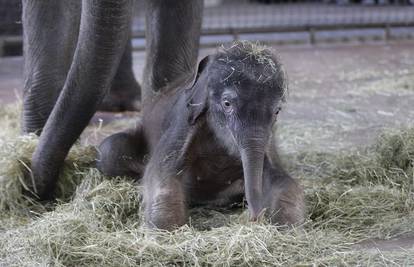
(252, 156)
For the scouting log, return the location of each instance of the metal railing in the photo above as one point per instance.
(232, 17)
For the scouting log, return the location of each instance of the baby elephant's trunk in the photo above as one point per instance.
(252, 151)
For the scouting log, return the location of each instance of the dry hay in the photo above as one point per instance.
(351, 196)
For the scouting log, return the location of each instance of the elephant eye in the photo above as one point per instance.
(227, 106)
(277, 111)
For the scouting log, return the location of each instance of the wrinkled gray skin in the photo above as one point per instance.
(209, 142)
(78, 58)
(51, 30)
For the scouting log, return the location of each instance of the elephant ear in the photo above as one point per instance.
(197, 93)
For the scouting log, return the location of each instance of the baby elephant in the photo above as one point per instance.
(209, 142)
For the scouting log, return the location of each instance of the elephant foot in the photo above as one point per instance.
(119, 101)
(122, 154)
(40, 182)
(125, 95)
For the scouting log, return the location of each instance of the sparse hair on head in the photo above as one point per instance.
(271, 71)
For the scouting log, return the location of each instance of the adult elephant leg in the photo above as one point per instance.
(50, 35)
(173, 33)
(104, 31)
(125, 92)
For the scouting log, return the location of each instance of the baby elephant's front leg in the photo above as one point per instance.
(283, 196)
(164, 200)
(164, 194)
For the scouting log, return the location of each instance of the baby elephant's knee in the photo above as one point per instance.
(121, 154)
(165, 209)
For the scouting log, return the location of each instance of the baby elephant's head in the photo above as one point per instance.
(241, 90)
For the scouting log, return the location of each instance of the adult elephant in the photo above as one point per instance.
(74, 49)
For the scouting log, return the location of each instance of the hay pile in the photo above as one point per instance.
(351, 196)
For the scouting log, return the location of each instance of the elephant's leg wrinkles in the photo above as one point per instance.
(101, 43)
(49, 40)
(172, 51)
(125, 92)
